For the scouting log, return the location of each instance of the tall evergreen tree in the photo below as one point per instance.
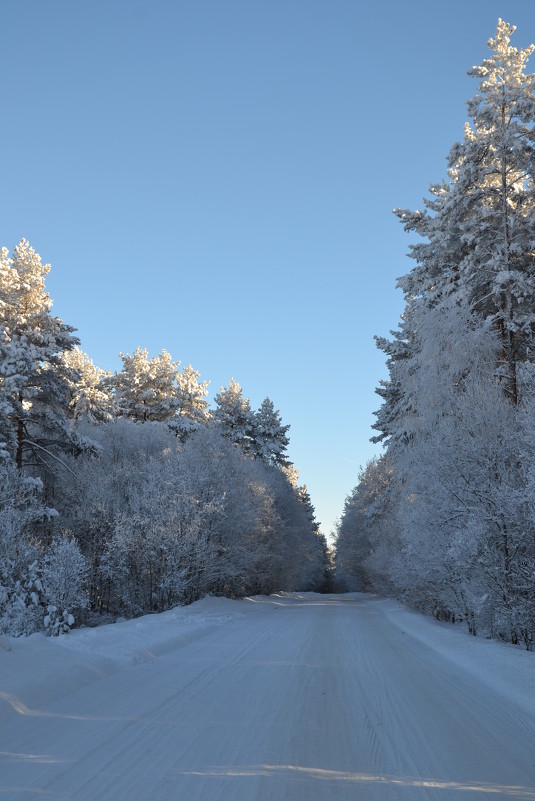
(145, 389)
(494, 199)
(33, 389)
(192, 410)
(269, 435)
(461, 370)
(89, 397)
(234, 414)
(478, 226)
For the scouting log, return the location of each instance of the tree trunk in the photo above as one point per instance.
(20, 436)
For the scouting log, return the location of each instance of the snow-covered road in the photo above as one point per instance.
(289, 697)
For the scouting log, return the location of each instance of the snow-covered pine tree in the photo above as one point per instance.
(192, 409)
(393, 418)
(269, 435)
(234, 414)
(457, 449)
(192, 395)
(494, 199)
(145, 389)
(479, 225)
(477, 228)
(89, 398)
(302, 549)
(33, 389)
(366, 532)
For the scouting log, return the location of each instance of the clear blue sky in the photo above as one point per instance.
(217, 178)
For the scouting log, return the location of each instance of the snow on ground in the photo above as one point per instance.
(509, 670)
(295, 696)
(41, 668)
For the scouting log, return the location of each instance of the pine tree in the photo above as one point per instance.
(479, 225)
(145, 389)
(89, 397)
(393, 416)
(461, 370)
(269, 436)
(192, 394)
(234, 414)
(495, 178)
(33, 389)
(192, 408)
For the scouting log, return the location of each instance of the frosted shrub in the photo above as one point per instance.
(64, 572)
(19, 600)
(57, 622)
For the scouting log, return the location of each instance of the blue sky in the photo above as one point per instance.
(217, 178)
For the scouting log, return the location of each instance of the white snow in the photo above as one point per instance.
(507, 670)
(295, 696)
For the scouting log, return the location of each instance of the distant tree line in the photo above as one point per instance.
(445, 518)
(125, 493)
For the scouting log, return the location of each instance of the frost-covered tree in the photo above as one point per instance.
(109, 486)
(40, 585)
(396, 409)
(63, 577)
(494, 198)
(460, 538)
(468, 534)
(162, 522)
(302, 547)
(479, 224)
(367, 537)
(145, 389)
(21, 511)
(89, 397)
(234, 414)
(192, 395)
(192, 406)
(461, 371)
(269, 435)
(33, 389)
(244, 531)
(155, 389)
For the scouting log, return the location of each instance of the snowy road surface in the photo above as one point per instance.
(289, 697)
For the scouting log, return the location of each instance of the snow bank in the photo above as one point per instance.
(130, 641)
(38, 669)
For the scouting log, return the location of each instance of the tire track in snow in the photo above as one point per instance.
(304, 698)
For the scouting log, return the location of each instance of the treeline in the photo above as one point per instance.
(445, 519)
(125, 493)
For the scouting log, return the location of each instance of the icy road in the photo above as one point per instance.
(289, 697)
